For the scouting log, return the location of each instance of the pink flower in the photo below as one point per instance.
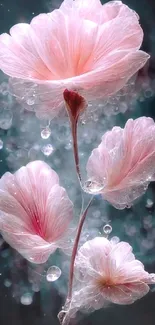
(124, 163)
(83, 46)
(106, 272)
(35, 212)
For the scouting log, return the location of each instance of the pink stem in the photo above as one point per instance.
(63, 315)
(74, 124)
(71, 273)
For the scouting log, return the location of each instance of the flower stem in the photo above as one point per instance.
(75, 247)
(63, 315)
(74, 124)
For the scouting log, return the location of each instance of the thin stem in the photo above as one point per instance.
(71, 273)
(63, 315)
(74, 124)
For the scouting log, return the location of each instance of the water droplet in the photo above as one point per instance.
(68, 145)
(47, 150)
(1, 144)
(26, 299)
(107, 229)
(7, 283)
(45, 134)
(149, 203)
(31, 100)
(148, 93)
(96, 214)
(115, 240)
(93, 187)
(53, 273)
(152, 277)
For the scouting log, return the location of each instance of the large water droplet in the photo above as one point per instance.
(26, 299)
(53, 273)
(107, 229)
(93, 187)
(47, 150)
(45, 133)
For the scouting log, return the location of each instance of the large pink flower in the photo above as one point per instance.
(35, 211)
(83, 46)
(124, 163)
(107, 272)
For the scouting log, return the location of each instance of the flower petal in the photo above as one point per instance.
(17, 61)
(125, 294)
(59, 213)
(18, 236)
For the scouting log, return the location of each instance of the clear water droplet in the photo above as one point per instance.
(149, 203)
(115, 240)
(107, 229)
(26, 299)
(93, 187)
(1, 144)
(45, 133)
(53, 273)
(47, 149)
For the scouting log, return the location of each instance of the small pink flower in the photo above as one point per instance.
(35, 212)
(83, 46)
(124, 163)
(106, 272)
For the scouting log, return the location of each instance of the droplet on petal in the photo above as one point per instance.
(93, 187)
(53, 273)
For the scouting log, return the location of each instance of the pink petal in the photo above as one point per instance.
(17, 235)
(90, 11)
(17, 61)
(114, 9)
(125, 294)
(61, 49)
(112, 73)
(59, 213)
(30, 184)
(35, 211)
(124, 162)
(46, 99)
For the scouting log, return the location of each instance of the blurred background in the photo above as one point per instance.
(26, 295)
